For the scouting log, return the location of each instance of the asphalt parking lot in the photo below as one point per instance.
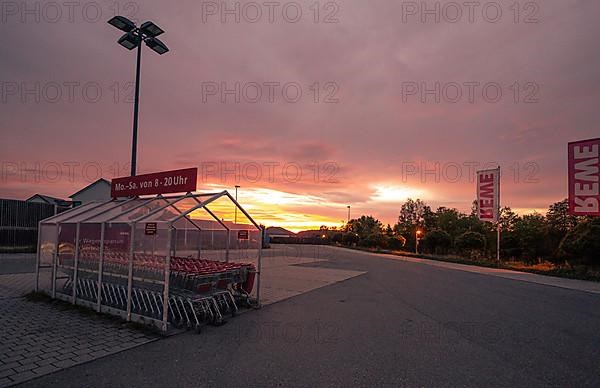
(401, 323)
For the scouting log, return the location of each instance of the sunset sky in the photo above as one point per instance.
(380, 143)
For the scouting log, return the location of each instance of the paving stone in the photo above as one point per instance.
(39, 338)
(24, 376)
(47, 361)
(12, 359)
(5, 382)
(65, 356)
(99, 353)
(6, 373)
(65, 363)
(83, 352)
(42, 370)
(9, 366)
(25, 367)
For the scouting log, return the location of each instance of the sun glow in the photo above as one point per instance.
(395, 193)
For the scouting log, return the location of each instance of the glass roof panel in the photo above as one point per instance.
(72, 213)
(107, 214)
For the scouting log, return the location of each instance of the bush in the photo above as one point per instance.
(470, 242)
(396, 242)
(437, 241)
(350, 238)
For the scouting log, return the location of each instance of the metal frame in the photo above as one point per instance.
(93, 210)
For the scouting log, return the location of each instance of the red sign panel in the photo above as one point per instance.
(488, 194)
(176, 181)
(584, 178)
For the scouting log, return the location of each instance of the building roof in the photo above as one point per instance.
(99, 181)
(49, 200)
(278, 231)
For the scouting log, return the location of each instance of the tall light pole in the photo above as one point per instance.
(348, 213)
(417, 234)
(236, 191)
(133, 38)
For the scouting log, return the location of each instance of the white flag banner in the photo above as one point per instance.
(488, 194)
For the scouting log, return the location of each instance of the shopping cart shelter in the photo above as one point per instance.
(169, 261)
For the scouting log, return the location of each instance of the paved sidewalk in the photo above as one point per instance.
(16, 285)
(39, 338)
(554, 281)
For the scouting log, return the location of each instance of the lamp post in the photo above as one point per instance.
(236, 191)
(348, 213)
(417, 234)
(133, 38)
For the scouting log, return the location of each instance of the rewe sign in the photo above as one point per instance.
(584, 178)
(488, 194)
(176, 181)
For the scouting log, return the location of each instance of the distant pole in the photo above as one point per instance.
(417, 233)
(498, 245)
(236, 192)
(348, 213)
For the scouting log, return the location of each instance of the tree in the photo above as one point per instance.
(369, 231)
(389, 232)
(507, 219)
(413, 214)
(559, 219)
(560, 222)
(531, 232)
(582, 244)
(437, 241)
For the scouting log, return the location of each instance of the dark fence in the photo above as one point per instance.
(19, 224)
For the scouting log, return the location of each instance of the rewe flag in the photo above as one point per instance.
(584, 178)
(488, 194)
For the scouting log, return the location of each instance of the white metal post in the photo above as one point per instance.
(76, 264)
(100, 267)
(498, 244)
(167, 276)
(498, 218)
(260, 247)
(130, 274)
(38, 258)
(55, 260)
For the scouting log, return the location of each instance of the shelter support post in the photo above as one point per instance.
(130, 274)
(38, 257)
(55, 254)
(165, 316)
(76, 264)
(100, 267)
(260, 248)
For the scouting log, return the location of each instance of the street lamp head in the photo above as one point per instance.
(122, 23)
(129, 41)
(419, 232)
(151, 30)
(157, 46)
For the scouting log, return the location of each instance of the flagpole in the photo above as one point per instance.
(498, 223)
